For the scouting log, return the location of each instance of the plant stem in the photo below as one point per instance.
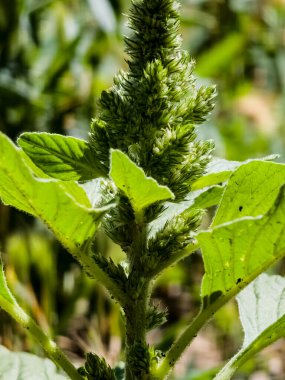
(137, 355)
(137, 363)
(50, 347)
(229, 369)
(182, 342)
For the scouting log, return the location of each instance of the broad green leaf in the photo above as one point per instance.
(76, 192)
(208, 198)
(262, 314)
(24, 366)
(261, 304)
(219, 170)
(251, 191)
(72, 223)
(62, 157)
(70, 187)
(237, 252)
(141, 190)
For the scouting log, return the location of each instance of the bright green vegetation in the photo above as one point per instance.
(157, 180)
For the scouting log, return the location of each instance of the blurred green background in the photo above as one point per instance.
(56, 56)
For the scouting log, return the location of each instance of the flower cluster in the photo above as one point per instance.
(151, 111)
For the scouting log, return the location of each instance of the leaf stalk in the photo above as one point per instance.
(49, 346)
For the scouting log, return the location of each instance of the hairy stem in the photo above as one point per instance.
(50, 347)
(137, 355)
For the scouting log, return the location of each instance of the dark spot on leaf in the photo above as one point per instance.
(238, 281)
(240, 208)
(215, 295)
(209, 299)
(231, 241)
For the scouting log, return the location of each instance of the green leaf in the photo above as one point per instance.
(261, 304)
(236, 253)
(45, 199)
(208, 197)
(73, 224)
(141, 190)
(76, 191)
(24, 366)
(262, 314)
(219, 171)
(251, 191)
(62, 157)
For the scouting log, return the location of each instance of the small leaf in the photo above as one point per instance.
(219, 170)
(251, 191)
(208, 197)
(62, 157)
(24, 366)
(262, 314)
(236, 253)
(141, 190)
